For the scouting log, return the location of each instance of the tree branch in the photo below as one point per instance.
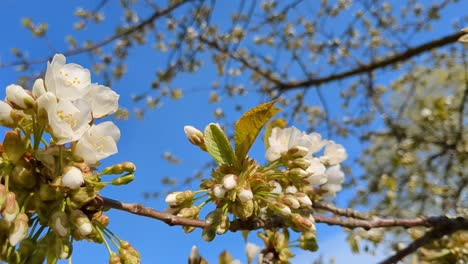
(436, 233)
(389, 60)
(122, 33)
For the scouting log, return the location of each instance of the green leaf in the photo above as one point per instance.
(218, 146)
(249, 125)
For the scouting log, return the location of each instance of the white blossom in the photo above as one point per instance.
(316, 171)
(278, 189)
(334, 153)
(18, 96)
(103, 100)
(99, 142)
(303, 199)
(171, 199)
(72, 178)
(335, 177)
(426, 112)
(66, 81)
(282, 139)
(68, 120)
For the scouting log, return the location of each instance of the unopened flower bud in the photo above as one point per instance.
(3, 194)
(81, 222)
(11, 208)
(101, 219)
(126, 179)
(277, 187)
(290, 201)
(303, 199)
(179, 198)
(128, 253)
(14, 146)
(291, 189)
(19, 229)
(301, 163)
(120, 168)
(223, 225)
(63, 248)
(281, 209)
(219, 191)
(38, 88)
(195, 257)
(5, 114)
(114, 258)
(208, 234)
(72, 177)
(298, 173)
(27, 247)
(59, 223)
(18, 96)
(190, 212)
(308, 241)
(229, 181)
(245, 195)
(195, 136)
(23, 177)
(297, 152)
(302, 223)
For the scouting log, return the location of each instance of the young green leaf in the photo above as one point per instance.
(218, 146)
(249, 125)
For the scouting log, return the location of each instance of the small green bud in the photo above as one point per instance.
(308, 241)
(195, 137)
(119, 168)
(48, 193)
(114, 258)
(13, 146)
(280, 209)
(302, 223)
(301, 163)
(208, 234)
(126, 179)
(128, 254)
(298, 173)
(81, 223)
(63, 249)
(59, 223)
(297, 152)
(23, 177)
(179, 198)
(223, 224)
(190, 212)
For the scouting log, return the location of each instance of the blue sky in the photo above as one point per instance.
(143, 142)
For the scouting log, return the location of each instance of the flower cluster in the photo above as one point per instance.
(285, 187)
(48, 165)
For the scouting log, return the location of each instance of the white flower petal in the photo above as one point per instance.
(103, 100)
(72, 178)
(99, 142)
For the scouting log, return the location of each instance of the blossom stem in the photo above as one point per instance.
(200, 206)
(98, 229)
(38, 232)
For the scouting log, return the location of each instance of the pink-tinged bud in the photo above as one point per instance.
(59, 223)
(19, 229)
(303, 199)
(219, 191)
(229, 181)
(114, 258)
(281, 209)
(277, 187)
(245, 195)
(3, 194)
(297, 152)
(81, 222)
(302, 223)
(290, 201)
(195, 136)
(291, 189)
(18, 96)
(11, 208)
(72, 177)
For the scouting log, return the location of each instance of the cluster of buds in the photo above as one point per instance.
(48, 163)
(284, 188)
